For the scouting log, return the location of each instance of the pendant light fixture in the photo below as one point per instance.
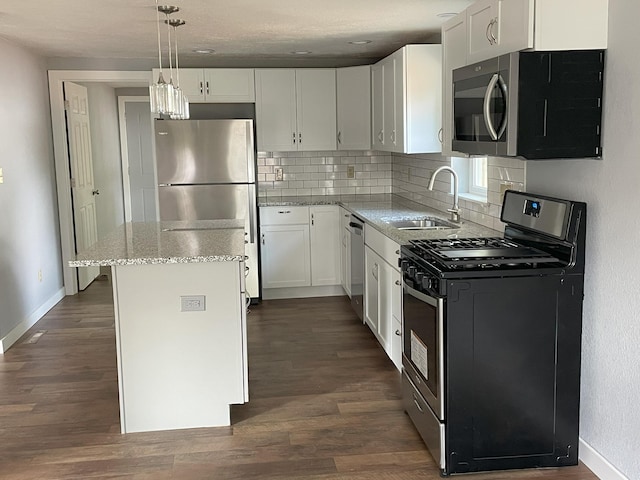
(181, 102)
(161, 93)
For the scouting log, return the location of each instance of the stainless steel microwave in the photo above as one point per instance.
(535, 105)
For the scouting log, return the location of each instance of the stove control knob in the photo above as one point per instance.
(426, 283)
(411, 271)
(418, 277)
(404, 265)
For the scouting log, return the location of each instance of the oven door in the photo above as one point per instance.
(481, 108)
(423, 346)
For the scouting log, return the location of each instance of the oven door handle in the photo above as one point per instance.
(434, 302)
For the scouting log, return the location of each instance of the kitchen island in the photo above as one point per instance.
(180, 321)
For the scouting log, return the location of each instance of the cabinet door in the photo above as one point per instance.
(276, 110)
(400, 99)
(482, 17)
(354, 107)
(454, 44)
(389, 103)
(316, 109)
(192, 84)
(230, 85)
(377, 106)
(325, 244)
(371, 289)
(285, 256)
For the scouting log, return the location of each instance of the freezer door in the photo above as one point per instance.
(209, 202)
(204, 151)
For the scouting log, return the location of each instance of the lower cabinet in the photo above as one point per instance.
(383, 292)
(300, 246)
(285, 256)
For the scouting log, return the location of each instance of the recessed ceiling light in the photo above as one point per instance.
(301, 52)
(446, 15)
(360, 42)
(203, 51)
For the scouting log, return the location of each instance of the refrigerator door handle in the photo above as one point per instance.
(252, 213)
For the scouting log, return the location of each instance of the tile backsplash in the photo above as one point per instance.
(372, 172)
(324, 173)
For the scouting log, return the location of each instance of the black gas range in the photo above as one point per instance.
(491, 339)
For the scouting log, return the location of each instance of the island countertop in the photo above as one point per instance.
(148, 243)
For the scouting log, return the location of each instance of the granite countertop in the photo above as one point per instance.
(376, 209)
(149, 243)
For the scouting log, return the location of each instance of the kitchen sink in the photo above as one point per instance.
(425, 223)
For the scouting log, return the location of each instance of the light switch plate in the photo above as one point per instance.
(192, 303)
(279, 174)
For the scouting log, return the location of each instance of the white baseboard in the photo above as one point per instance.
(302, 292)
(598, 464)
(20, 329)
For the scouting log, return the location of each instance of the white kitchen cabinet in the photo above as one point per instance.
(325, 244)
(383, 292)
(407, 100)
(296, 109)
(215, 85)
(285, 247)
(345, 258)
(353, 93)
(497, 27)
(300, 246)
(377, 106)
(454, 46)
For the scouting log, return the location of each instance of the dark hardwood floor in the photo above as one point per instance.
(324, 404)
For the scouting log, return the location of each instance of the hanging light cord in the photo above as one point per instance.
(169, 42)
(175, 35)
(159, 45)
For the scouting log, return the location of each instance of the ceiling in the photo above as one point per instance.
(242, 32)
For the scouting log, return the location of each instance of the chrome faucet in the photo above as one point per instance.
(455, 210)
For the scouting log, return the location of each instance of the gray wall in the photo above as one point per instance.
(107, 163)
(29, 239)
(610, 416)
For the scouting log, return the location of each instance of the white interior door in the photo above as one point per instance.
(137, 159)
(83, 190)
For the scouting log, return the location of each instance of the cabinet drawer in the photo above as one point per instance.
(284, 215)
(382, 245)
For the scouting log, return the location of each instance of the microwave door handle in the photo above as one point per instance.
(487, 112)
(505, 94)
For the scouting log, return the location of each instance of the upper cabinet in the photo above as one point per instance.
(296, 109)
(354, 107)
(496, 27)
(406, 104)
(217, 85)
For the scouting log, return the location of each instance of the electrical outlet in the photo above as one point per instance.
(279, 174)
(40, 275)
(192, 303)
(504, 186)
(351, 171)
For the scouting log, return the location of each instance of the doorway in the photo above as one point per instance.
(61, 151)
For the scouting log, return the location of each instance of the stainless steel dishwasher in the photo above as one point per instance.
(356, 229)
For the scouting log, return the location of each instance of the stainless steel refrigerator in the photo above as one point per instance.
(206, 171)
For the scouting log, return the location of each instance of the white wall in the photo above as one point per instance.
(107, 164)
(610, 414)
(29, 239)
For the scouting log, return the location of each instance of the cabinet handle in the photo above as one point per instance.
(495, 40)
(398, 333)
(397, 252)
(398, 282)
(488, 32)
(201, 88)
(381, 136)
(339, 137)
(312, 220)
(284, 211)
(415, 400)
(294, 137)
(299, 137)
(263, 238)
(441, 135)
(207, 87)
(375, 271)
(393, 136)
